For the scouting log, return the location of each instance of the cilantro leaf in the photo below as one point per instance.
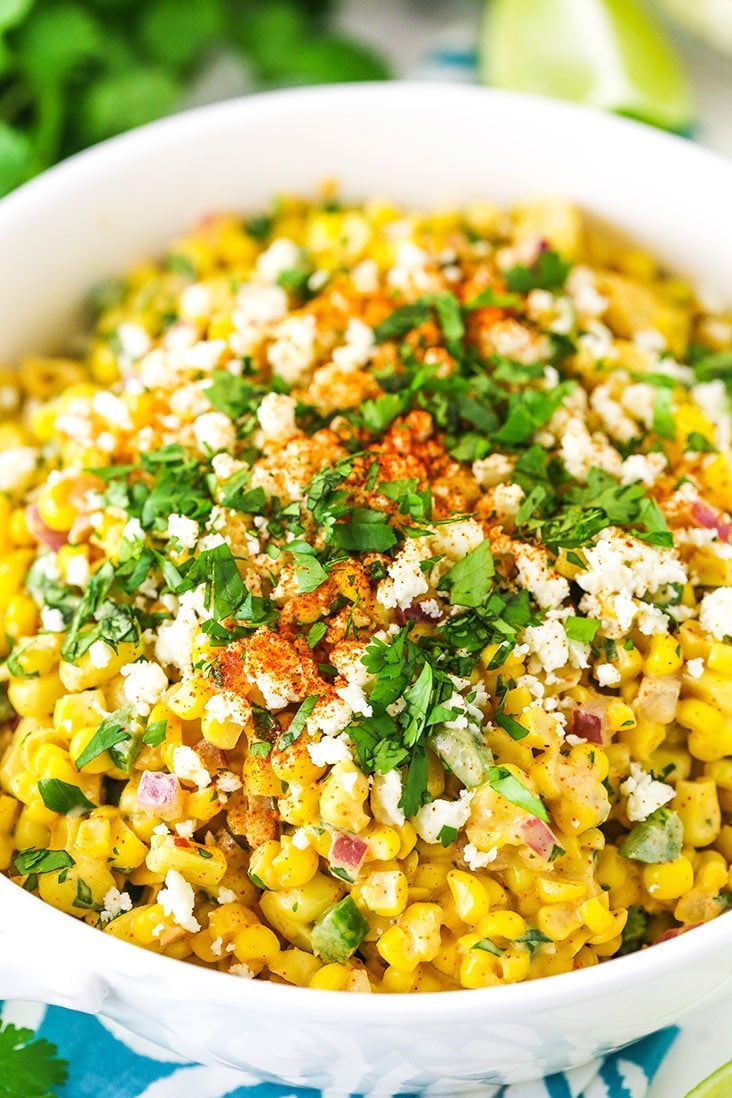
(380, 413)
(403, 320)
(33, 860)
(663, 416)
(488, 298)
(63, 797)
(488, 946)
(415, 792)
(450, 320)
(29, 1066)
(470, 580)
(364, 536)
(298, 723)
(503, 781)
(112, 730)
(548, 272)
(528, 411)
(155, 733)
(581, 629)
(699, 443)
(315, 633)
(447, 835)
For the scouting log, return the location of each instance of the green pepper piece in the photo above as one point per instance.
(338, 933)
(655, 840)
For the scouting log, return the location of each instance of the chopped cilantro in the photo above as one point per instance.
(548, 272)
(315, 633)
(698, 443)
(488, 298)
(403, 320)
(63, 797)
(298, 723)
(533, 939)
(33, 860)
(581, 629)
(260, 749)
(470, 580)
(112, 730)
(487, 945)
(663, 416)
(503, 781)
(155, 733)
(447, 835)
(528, 411)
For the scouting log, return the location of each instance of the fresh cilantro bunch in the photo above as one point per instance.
(29, 1067)
(73, 72)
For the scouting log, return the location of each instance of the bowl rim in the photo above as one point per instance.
(563, 988)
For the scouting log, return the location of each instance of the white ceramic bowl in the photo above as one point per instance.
(423, 145)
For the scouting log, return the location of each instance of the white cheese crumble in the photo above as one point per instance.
(535, 574)
(115, 902)
(357, 348)
(715, 613)
(642, 467)
(431, 818)
(406, 580)
(188, 767)
(293, 352)
(276, 415)
(695, 668)
(145, 684)
(177, 900)
(644, 793)
(386, 793)
(281, 255)
(330, 750)
(226, 896)
(228, 706)
(133, 531)
(77, 570)
(214, 431)
(606, 674)
(52, 620)
(548, 642)
(184, 529)
(478, 859)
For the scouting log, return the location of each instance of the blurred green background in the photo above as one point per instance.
(73, 72)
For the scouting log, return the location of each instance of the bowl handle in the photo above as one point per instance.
(36, 966)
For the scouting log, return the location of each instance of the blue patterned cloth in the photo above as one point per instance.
(106, 1061)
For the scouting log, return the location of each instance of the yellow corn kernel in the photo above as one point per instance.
(94, 837)
(331, 977)
(670, 880)
(384, 892)
(29, 832)
(206, 947)
(697, 804)
(295, 966)
(21, 616)
(20, 533)
(281, 864)
(300, 805)
(717, 476)
(294, 765)
(200, 804)
(558, 921)
(255, 945)
(672, 762)
(188, 699)
(508, 925)
(202, 866)
(628, 662)
(720, 771)
(259, 778)
(720, 658)
(79, 741)
(554, 891)
(414, 938)
(620, 716)
(724, 845)
(710, 730)
(79, 889)
(35, 697)
(73, 712)
(13, 569)
(342, 796)
(228, 919)
(596, 916)
(224, 734)
(479, 968)
(55, 504)
(384, 843)
(644, 739)
(470, 897)
(84, 674)
(664, 655)
(712, 876)
(146, 926)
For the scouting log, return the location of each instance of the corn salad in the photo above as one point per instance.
(366, 596)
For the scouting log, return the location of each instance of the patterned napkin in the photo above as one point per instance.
(107, 1061)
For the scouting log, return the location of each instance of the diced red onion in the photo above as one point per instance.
(711, 519)
(587, 726)
(657, 698)
(347, 852)
(159, 794)
(42, 532)
(538, 836)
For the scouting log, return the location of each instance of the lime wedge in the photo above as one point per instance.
(604, 53)
(717, 1085)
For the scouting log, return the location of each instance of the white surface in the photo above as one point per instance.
(97, 213)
